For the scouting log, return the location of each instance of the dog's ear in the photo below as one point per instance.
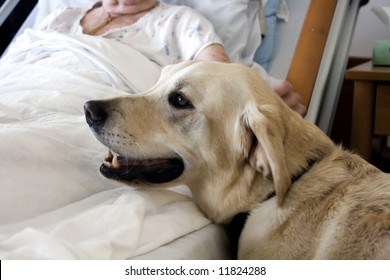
(267, 152)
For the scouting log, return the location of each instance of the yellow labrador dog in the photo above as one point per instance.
(221, 130)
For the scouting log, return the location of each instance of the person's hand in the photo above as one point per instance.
(292, 98)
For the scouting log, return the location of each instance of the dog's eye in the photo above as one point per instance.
(180, 101)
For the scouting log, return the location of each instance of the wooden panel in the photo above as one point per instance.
(382, 110)
(367, 71)
(311, 43)
(362, 118)
(341, 129)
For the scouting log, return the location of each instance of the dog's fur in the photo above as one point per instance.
(239, 143)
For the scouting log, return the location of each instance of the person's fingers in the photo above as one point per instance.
(300, 109)
(283, 88)
(294, 101)
(292, 98)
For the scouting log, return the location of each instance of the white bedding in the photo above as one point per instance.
(53, 202)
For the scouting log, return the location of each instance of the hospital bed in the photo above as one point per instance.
(55, 205)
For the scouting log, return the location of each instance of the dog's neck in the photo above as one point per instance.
(237, 224)
(303, 143)
(310, 163)
(295, 177)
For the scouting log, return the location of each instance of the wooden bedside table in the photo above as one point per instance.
(371, 105)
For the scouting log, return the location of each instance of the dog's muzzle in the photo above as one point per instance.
(118, 167)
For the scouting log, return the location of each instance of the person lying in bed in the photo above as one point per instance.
(166, 34)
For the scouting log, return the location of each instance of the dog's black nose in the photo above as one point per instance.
(95, 113)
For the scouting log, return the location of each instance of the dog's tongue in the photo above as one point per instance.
(149, 170)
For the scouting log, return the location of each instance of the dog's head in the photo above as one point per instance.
(216, 127)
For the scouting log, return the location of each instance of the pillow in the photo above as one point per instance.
(235, 21)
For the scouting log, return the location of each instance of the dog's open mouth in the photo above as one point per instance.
(156, 171)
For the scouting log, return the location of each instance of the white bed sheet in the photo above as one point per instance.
(210, 242)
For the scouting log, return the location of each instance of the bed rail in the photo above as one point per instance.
(6, 9)
(310, 47)
(14, 14)
(321, 55)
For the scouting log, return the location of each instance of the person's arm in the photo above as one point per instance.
(214, 52)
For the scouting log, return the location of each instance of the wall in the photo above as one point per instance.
(368, 29)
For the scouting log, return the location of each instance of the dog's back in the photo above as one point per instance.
(358, 226)
(357, 217)
(339, 209)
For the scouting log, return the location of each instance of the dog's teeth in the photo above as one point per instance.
(115, 163)
(109, 154)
